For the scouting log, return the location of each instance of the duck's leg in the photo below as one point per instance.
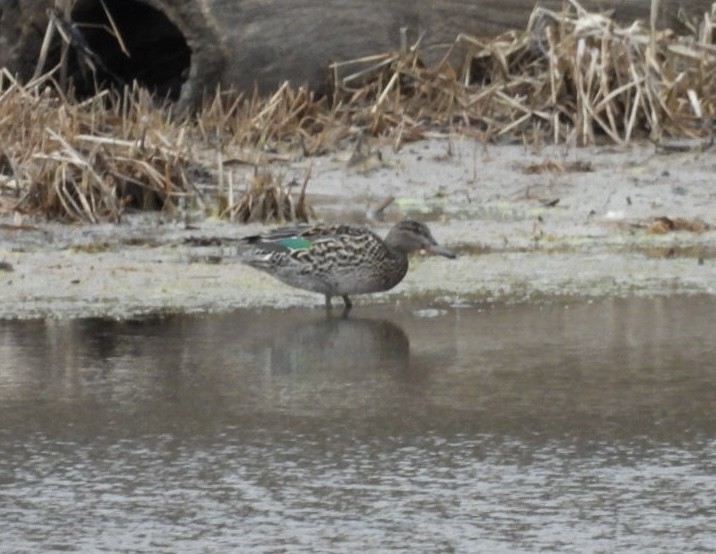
(329, 307)
(347, 305)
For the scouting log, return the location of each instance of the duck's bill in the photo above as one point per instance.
(437, 249)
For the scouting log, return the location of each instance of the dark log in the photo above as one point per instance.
(182, 48)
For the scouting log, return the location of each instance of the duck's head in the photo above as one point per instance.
(410, 235)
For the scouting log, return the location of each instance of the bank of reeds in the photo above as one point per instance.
(571, 76)
(89, 160)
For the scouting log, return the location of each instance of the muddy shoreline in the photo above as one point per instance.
(529, 224)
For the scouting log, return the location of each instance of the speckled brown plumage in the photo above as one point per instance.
(339, 260)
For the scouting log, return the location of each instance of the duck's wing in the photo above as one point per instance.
(300, 238)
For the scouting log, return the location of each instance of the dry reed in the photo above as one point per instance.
(87, 161)
(266, 199)
(571, 76)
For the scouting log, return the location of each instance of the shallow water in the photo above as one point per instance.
(581, 427)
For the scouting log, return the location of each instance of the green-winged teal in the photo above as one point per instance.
(339, 260)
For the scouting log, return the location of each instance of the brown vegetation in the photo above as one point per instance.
(570, 77)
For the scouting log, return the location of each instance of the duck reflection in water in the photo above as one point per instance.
(341, 344)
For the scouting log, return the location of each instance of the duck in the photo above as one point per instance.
(339, 259)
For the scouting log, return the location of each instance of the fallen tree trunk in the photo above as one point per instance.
(183, 48)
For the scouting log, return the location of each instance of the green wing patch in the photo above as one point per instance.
(295, 243)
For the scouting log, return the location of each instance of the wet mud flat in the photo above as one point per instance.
(528, 223)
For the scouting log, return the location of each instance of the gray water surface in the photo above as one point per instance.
(558, 428)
